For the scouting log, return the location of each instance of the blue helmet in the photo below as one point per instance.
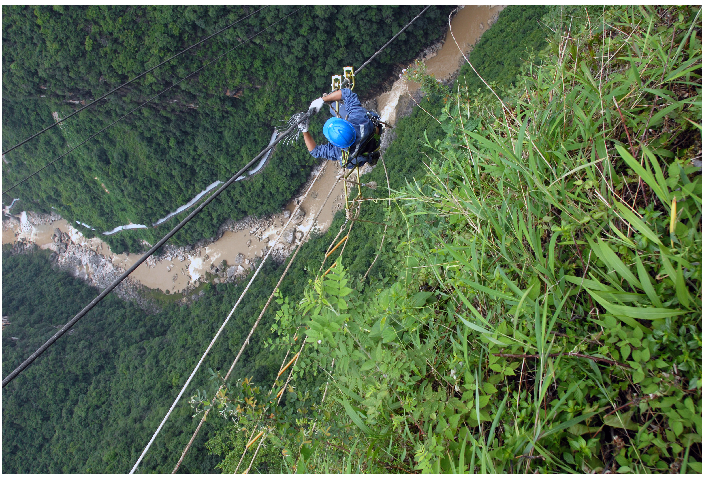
(339, 132)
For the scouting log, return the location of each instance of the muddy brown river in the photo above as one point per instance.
(246, 245)
(468, 24)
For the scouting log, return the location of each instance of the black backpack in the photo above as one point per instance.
(368, 148)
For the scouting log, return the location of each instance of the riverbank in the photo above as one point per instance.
(236, 248)
(238, 245)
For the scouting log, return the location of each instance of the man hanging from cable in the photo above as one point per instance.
(359, 132)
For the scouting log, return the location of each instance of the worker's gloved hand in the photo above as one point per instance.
(303, 125)
(315, 106)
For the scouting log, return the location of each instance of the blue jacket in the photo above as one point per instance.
(351, 110)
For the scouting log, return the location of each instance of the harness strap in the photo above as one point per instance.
(359, 143)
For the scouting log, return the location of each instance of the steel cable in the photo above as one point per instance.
(387, 43)
(162, 241)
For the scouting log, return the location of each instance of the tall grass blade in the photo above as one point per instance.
(646, 313)
(613, 262)
(570, 423)
(647, 286)
(637, 223)
(643, 173)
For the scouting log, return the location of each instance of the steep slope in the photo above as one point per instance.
(544, 309)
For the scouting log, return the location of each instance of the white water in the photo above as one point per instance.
(25, 225)
(195, 266)
(122, 228)
(265, 158)
(196, 198)
(390, 100)
(6, 209)
(189, 204)
(85, 225)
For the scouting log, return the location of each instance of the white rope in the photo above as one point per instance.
(217, 335)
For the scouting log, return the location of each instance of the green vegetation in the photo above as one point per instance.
(535, 306)
(167, 152)
(100, 392)
(516, 37)
(547, 311)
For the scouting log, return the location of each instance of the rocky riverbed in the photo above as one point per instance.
(231, 254)
(70, 252)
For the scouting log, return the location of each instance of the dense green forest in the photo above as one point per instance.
(534, 303)
(165, 153)
(512, 26)
(98, 394)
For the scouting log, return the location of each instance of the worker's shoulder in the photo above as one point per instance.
(348, 95)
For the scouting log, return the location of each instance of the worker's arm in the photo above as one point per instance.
(334, 96)
(309, 141)
(326, 151)
(314, 108)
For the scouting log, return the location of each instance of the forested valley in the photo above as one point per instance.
(522, 294)
(204, 129)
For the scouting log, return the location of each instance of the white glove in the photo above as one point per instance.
(304, 125)
(316, 105)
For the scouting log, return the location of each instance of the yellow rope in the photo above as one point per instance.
(254, 439)
(301, 347)
(330, 268)
(196, 431)
(335, 247)
(288, 365)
